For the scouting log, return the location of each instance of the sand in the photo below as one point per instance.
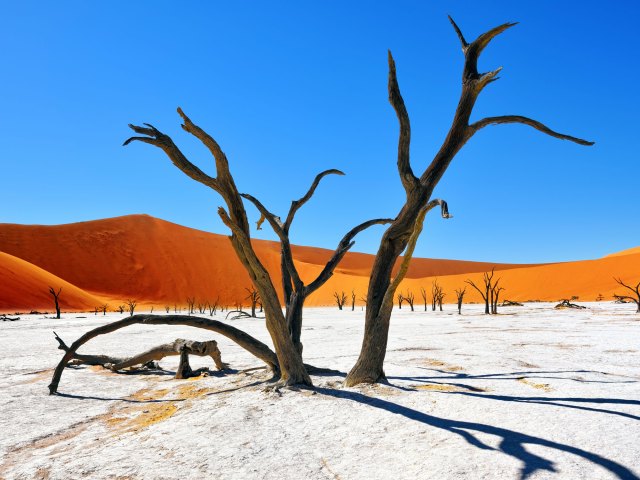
(531, 393)
(160, 263)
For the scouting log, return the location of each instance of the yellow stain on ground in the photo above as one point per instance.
(540, 386)
(151, 407)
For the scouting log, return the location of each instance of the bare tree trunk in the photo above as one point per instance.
(292, 369)
(243, 339)
(369, 366)
(55, 299)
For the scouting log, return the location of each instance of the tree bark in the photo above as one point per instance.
(291, 367)
(246, 341)
(369, 366)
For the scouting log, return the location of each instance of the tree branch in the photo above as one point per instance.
(296, 204)
(343, 247)
(480, 124)
(158, 139)
(278, 228)
(408, 179)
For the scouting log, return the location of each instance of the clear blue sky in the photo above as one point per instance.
(293, 88)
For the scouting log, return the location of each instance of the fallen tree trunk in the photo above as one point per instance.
(568, 304)
(246, 341)
(192, 347)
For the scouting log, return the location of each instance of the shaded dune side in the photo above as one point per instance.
(25, 287)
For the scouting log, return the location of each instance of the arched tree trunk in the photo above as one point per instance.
(246, 341)
(369, 366)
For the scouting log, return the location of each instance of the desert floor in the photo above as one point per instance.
(530, 393)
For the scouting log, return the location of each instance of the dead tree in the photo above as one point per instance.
(436, 290)
(167, 308)
(155, 354)
(213, 306)
(96, 310)
(567, 304)
(369, 366)
(459, 296)
(254, 299)
(486, 294)
(131, 305)
(495, 293)
(409, 297)
(120, 309)
(244, 340)
(423, 292)
(104, 308)
(202, 307)
(400, 299)
(56, 296)
(353, 300)
(441, 296)
(295, 291)
(190, 303)
(636, 293)
(341, 298)
(284, 331)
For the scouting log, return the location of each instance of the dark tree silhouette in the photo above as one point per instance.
(254, 299)
(341, 298)
(487, 293)
(56, 296)
(423, 292)
(636, 293)
(191, 301)
(400, 299)
(436, 291)
(410, 298)
(369, 366)
(131, 305)
(353, 300)
(459, 297)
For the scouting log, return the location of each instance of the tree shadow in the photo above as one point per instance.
(512, 443)
(553, 402)
(543, 374)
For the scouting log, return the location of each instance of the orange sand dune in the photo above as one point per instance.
(160, 263)
(629, 251)
(25, 287)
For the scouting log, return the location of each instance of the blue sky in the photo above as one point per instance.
(292, 88)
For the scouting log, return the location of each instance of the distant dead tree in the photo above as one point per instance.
(104, 308)
(459, 296)
(131, 305)
(213, 306)
(487, 293)
(341, 298)
(409, 297)
(436, 291)
(495, 293)
(190, 303)
(202, 307)
(56, 296)
(400, 298)
(254, 299)
(369, 367)
(511, 303)
(120, 309)
(636, 293)
(353, 300)
(167, 308)
(423, 292)
(599, 298)
(440, 298)
(567, 304)
(96, 310)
